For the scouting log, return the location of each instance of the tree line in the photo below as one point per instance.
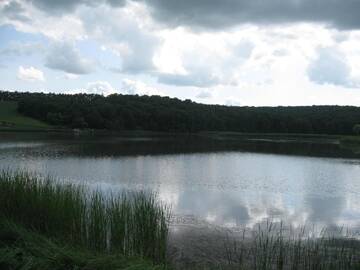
(155, 113)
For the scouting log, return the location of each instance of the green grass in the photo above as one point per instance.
(11, 119)
(24, 249)
(127, 224)
(352, 140)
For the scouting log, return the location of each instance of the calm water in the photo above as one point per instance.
(206, 181)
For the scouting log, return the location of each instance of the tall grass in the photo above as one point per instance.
(275, 247)
(25, 249)
(131, 224)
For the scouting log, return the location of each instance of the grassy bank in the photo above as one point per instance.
(10, 119)
(350, 142)
(24, 249)
(130, 225)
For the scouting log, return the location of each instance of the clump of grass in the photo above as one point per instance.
(130, 224)
(275, 247)
(24, 249)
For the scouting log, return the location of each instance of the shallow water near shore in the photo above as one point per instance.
(209, 182)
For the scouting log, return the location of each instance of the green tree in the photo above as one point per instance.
(130, 112)
(79, 122)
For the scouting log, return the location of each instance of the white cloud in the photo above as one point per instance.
(188, 59)
(199, 78)
(30, 74)
(122, 32)
(244, 49)
(133, 87)
(330, 67)
(280, 52)
(232, 102)
(100, 87)
(129, 87)
(26, 17)
(204, 94)
(67, 58)
(71, 76)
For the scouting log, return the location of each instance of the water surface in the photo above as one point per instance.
(207, 181)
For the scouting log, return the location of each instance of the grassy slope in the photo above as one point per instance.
(14, 120)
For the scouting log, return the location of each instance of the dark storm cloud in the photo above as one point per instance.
(14, 11)
(116, 3)
(58, 7)
(217, 14)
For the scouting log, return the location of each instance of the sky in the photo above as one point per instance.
(232, 52)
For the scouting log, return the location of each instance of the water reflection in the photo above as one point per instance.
(326, 210)
(49, 144)
(225, 188)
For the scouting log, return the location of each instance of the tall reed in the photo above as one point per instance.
(274, 247)
(132, 224)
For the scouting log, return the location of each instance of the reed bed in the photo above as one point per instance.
(130, 224)
(276, 247)
(25, 249)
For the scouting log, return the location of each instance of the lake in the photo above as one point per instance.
(209, 180)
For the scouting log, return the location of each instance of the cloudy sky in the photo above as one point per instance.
(234, 52)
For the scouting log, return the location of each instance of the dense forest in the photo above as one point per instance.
(133, 112)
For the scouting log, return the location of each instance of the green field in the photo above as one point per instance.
(10, 118)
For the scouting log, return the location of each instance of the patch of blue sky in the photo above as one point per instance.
(9, 35)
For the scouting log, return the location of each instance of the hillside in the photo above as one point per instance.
(10, 118)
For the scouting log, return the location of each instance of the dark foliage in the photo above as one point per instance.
(130, 112)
